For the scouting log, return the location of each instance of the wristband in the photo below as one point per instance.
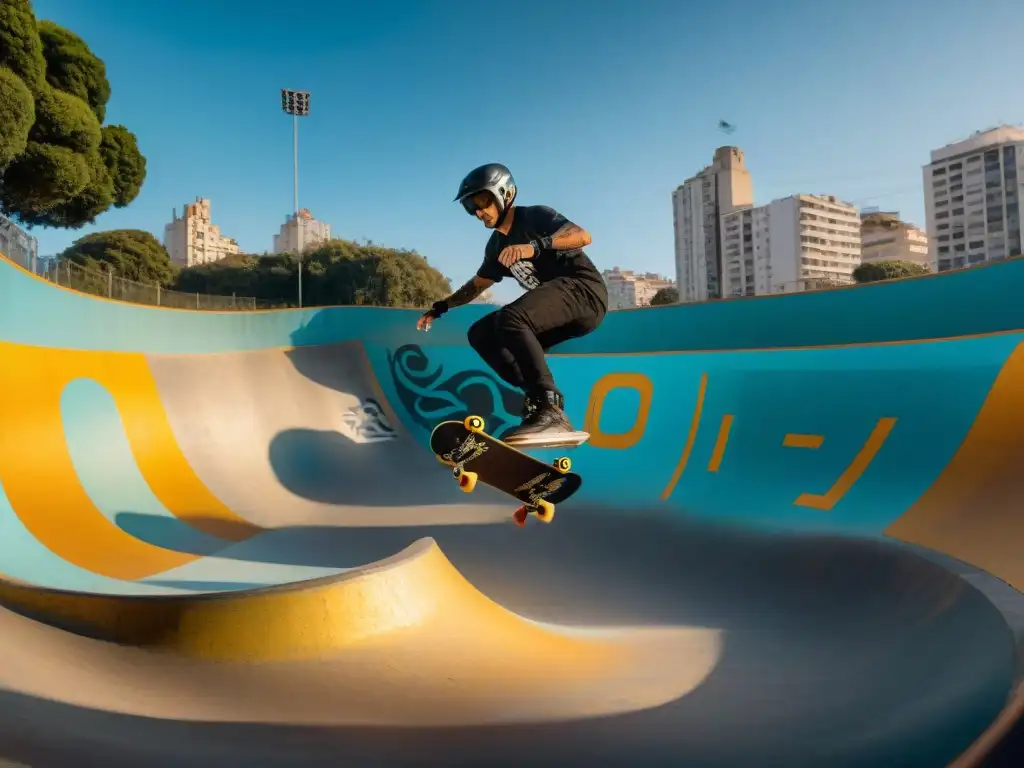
(544, 244)
(439, 308)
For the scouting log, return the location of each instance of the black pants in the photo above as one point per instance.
(513, 339)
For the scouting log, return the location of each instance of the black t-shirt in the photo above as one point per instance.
(532, 222)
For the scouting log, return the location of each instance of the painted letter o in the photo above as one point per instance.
(604, 385)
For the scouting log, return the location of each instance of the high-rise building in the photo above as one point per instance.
(798, 243)
(884, 237)
(697, 207)
(972, 199)
(313, 233)
(628, 289)
(193, 239)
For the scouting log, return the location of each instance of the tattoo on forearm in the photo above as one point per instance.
(464, 295)
(569, 236)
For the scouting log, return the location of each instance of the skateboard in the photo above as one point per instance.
(474, 455)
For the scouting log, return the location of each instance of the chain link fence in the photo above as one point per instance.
(23, 250)
(813, 284)
(108, 285)
(17, 245)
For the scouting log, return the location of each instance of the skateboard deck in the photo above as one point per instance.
(476, 456)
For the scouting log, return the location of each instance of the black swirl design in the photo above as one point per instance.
(430, 398)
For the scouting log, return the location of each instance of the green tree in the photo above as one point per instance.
(873, 271)
(668, 295)
(59, 167)
(272, 278)
(130, 253)
(338, 272)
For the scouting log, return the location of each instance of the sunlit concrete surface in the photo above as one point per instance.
(224, 541)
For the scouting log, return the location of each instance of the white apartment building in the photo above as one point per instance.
(697, 207)
(884, 237)
(193, 239)
(301, 228)
(972, 196)
(798, 243)
(628, 289)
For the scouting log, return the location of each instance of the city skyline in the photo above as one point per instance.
(727, 172)
(383, 150)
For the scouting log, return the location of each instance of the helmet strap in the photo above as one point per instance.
(506, 206)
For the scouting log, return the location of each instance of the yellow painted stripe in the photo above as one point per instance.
(39, 477)
(160, 458)
(304, 620)
(794, 440)
(723, 440)
(698, 409)
(973, 510)
(831, 497)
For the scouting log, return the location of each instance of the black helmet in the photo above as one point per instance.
(494, 178)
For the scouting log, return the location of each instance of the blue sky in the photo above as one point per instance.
(600, 108)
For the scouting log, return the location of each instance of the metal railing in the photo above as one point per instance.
(17, 245)
(813, 284)
(110, 286)
(23, 250)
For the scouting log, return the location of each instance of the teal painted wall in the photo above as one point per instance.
(968, 302)
(933, 389)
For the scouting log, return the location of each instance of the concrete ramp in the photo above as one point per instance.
(223, 540)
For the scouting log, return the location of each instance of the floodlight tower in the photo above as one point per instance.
(296, 104)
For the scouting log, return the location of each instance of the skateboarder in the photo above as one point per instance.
(565, 294)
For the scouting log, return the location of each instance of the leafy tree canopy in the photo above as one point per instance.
(668, 295)
(338, 272)
(873, 271)
(59, 166)
(130, 253)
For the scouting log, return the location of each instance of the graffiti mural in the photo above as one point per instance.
(430, 396)
(366, 423)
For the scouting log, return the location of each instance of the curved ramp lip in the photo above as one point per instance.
(417, 592)
(996, 736)
(300, 619)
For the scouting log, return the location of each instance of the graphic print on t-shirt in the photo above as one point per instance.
(525, 274)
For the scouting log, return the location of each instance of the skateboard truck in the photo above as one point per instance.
(543, 509)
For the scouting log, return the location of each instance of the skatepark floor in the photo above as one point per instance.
(342, 602)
